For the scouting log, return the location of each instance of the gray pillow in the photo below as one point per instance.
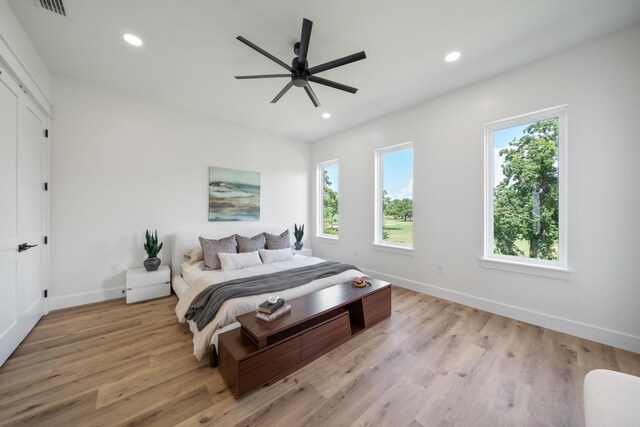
(278, 242)
(211, 248)
(250, 244)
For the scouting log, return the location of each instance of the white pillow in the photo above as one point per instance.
(275, 255)
(186, 266)
(232, 261)
(194, 255)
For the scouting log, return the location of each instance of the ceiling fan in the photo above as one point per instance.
(300, 73)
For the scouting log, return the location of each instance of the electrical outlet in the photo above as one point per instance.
(440, 268)
(113, 268)
(355, 253)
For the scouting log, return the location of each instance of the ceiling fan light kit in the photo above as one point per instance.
(299, 71)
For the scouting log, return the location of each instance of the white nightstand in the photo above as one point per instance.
(143, 285)
(303, 252)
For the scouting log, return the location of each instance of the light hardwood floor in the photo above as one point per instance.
(432, 363)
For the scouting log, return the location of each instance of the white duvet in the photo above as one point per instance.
(198, 280)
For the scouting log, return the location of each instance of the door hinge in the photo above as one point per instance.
(46, 293)
(46, 186)
(46, 240)
(46, 133)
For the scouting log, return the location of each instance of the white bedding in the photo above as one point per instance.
(198, 280)
(179, 285)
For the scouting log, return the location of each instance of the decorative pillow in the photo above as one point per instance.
(211, 248)
(194, 255)
(275, 255)
(187, 266)
(238, 261)
(250, 244)
(278, 242)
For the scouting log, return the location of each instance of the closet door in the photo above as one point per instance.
(9, 326)
(22, 215)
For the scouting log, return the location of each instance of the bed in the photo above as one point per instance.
(190, 283)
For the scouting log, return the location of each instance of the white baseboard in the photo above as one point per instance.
(583, 330)
(56, 303)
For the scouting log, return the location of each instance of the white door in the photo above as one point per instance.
(9, 326)
(31, 218)
(22, 215)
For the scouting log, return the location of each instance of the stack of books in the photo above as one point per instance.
(269, 312)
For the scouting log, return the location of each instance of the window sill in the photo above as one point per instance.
(328, 239)
(402, 250)
(525, 268)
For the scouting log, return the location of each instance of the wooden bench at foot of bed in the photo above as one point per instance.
(261, 353)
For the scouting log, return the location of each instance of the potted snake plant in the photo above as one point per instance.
(298, 233)
(152, 248)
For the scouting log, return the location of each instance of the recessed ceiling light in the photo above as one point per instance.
(452, 56)
(132, 39)
(326, 115)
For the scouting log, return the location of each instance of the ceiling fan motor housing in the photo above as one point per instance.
(299, 77)
(299, 81)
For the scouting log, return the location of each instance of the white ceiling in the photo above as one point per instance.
(190, 54)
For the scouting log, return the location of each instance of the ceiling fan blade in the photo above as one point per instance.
(337, 63)
(332, 84)
(305, 37)
(262, 76)
(282, 92)
(312, 95)
(264, 52)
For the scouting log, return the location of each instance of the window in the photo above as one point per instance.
(394, 196)
(328, 201)
(525, 190)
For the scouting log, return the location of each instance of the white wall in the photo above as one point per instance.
(18, 53)
(600, 82)
(121, 164)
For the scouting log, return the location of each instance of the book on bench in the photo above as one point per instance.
(268, 307)
(275, 315)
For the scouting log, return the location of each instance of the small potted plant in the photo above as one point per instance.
(298, 233)
(152, 248)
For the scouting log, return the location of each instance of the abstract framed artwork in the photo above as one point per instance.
(234, 195)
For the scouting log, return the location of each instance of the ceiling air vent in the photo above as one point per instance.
(55, 6)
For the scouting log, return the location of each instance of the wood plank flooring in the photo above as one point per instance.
(432, 363)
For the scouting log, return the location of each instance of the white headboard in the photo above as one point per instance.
(183, 241)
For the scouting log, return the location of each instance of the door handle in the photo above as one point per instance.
(24, 246)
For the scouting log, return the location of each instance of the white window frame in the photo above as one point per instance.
(556, 269)
(378, 242)
(320, 200)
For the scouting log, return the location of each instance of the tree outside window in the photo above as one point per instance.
(526, 220)
(395, 202)
(329, 199)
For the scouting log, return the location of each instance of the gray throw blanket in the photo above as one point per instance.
(205, 306)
